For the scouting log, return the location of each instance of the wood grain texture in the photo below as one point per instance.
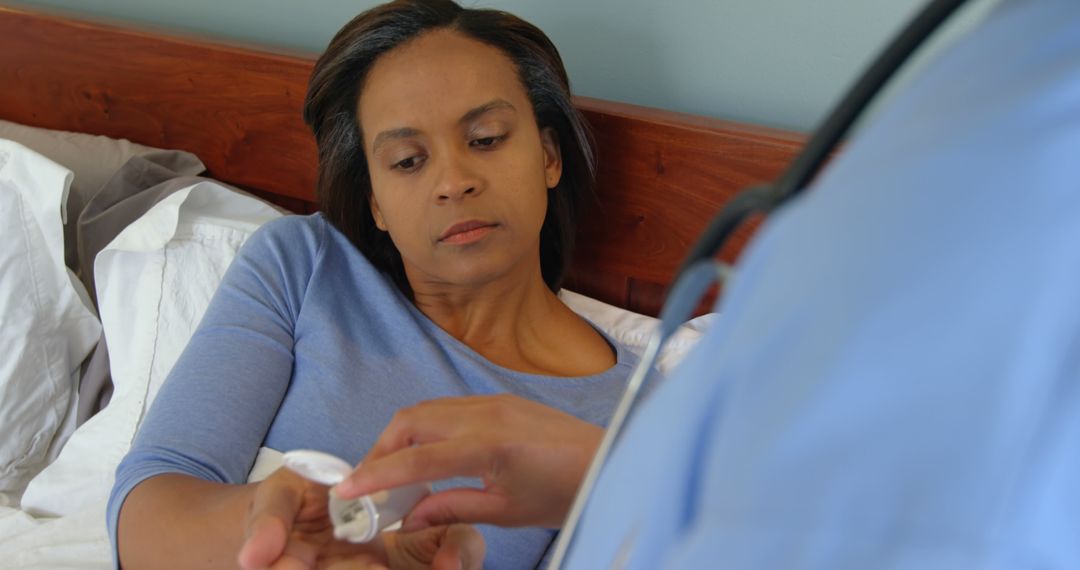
(237, 109)
(661, 178)
(662, 175)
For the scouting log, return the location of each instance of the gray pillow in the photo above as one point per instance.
(132, 190)
(93, 160)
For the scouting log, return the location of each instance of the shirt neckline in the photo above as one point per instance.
(622, 354)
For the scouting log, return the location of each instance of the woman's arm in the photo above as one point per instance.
(177, 521)
(183, 522)
(180, 521)
(206, 425)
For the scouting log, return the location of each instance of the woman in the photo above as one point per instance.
(452, 165)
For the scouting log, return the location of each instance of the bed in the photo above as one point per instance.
(237, 109)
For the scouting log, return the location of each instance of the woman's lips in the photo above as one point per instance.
(466, 232)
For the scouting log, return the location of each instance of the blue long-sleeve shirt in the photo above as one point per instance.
(895, 383)
(307, 346)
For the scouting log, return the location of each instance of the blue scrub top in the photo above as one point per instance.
(895, 380)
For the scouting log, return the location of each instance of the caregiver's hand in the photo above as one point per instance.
(530, 457)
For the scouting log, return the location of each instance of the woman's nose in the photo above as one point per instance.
(458, 180)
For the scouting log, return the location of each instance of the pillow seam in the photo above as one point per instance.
(157, 338)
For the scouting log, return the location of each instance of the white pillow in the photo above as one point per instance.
(47, 329)
(154, 282)
(633, 330)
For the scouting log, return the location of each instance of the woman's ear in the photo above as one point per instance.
(549, 139)
(376, 213)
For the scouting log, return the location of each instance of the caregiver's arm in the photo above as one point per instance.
(530, 457)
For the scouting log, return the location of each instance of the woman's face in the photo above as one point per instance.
(459, 169)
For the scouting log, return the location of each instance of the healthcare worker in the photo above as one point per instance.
(895, 380)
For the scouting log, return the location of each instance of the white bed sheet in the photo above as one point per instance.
(80, 540)
(76, 541)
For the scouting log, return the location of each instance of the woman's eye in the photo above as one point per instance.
(485, 142)
(408, 164)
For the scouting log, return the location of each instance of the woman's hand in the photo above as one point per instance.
(288, 527)
(287, 523)
(455, 547)
(530, 457)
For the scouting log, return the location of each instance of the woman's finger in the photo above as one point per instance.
(358, 562)
(288, 562)
(266, 538)
(462, 548)
(269, 522)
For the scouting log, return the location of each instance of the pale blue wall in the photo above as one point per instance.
(775, 62)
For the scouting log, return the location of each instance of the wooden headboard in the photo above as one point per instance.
(661, 175)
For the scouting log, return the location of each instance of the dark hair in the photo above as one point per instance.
(344, 186)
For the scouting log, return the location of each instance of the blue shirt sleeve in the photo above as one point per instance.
(894, 379)
(221, 397)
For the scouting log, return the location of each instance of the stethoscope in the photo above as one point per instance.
(700, 271)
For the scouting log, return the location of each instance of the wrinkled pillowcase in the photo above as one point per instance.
(48, 327)
(154, 282)
(130, 193)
